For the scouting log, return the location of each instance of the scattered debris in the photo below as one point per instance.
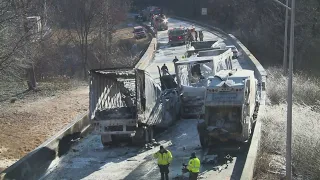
(210, 159)
(180, 177)
(155, 143)
(152, 144)
(133, 159)
(75, 150)
(75, 140)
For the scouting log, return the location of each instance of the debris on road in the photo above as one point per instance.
(152, 144)
(210, 159)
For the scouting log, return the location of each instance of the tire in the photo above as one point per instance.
(203, 136)
(140, 136)
(203, 140)
(150, 134)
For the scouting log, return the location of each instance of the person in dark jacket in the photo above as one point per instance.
(196, 35)
(201, 35)
(164, 69)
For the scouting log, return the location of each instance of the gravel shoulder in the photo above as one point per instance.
(28, 122)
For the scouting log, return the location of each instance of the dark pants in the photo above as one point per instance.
(164, 170)
(193, 176)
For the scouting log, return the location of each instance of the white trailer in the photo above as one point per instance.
(231, 107)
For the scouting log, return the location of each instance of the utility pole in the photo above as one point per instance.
(289, 96)
(285, 46)
(289, 99)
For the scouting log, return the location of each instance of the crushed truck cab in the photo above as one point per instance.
(192, 74)
(231, 107)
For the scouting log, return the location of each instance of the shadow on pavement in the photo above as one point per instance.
(184, 140)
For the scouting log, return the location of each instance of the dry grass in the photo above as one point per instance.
(306, 90)
(306, 140)
(47, 87)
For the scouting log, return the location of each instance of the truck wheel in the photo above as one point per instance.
(203, 137)
(150, 134)
(106, 140)
(139, 137)
(204, 140)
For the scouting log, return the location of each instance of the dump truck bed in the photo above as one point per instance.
(112, 94)
(125, 94)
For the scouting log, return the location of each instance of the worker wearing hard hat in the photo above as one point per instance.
(193, 167)
(164, 157)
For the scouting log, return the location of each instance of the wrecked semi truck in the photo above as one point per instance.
(192, 75)
(231, 107)
(127, 104)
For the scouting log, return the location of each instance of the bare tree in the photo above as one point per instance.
(113, 13)
(81, 15)
(15, 34)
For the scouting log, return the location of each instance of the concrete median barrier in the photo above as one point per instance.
(249, 166)
(34, 165)
(148, 55)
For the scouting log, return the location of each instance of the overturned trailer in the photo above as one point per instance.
(192, 74)
(127, 103)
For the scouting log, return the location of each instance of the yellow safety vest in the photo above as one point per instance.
(194, 165)
(163, 158)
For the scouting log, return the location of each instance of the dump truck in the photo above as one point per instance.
(192, 74)
(126, 104)
(231, 107)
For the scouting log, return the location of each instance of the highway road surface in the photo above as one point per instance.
(90, 160)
